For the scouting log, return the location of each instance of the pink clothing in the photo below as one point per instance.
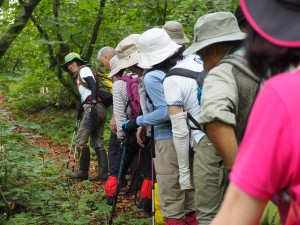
(269, 156)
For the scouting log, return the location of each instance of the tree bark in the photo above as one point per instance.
(16, 28)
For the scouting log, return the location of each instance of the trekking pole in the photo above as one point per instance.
(75, 149)
(152, 149)
(70, 152)
(153, 194)
(115, 197)
(138, 174)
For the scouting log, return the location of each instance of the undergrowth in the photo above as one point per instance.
(34, 189)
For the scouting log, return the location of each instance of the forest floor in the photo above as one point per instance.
(60, 152)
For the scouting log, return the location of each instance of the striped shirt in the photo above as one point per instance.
(119, 102)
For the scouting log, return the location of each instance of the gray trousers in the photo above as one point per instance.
(174, 203)
(210, 179)
(92, 129)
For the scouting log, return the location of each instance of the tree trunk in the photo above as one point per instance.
(15, 29)
(93, 40)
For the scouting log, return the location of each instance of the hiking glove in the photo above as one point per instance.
(94, 113)
(129, 126)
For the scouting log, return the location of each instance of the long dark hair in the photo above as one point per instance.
(267, 59)
(171, 61)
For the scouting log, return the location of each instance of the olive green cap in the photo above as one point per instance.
(69, 58)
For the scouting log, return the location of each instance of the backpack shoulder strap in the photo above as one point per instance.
(194, 121)
(198, 76)
(240, 63)
(82, 82)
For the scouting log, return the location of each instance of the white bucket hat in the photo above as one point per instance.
(113, 63)
(214, 28)
(176, 32)
(127, 52)
(155, 46)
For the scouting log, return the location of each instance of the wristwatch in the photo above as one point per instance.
(94, 102)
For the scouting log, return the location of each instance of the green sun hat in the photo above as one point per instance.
(69, 58)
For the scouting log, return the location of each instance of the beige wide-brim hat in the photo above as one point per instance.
(127, 52)
(113, 64)
(155, 46)
(214, 28)
(176, 32)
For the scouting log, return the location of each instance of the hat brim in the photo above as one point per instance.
(181, 41)
(113, 72)
(64, 65)
(196, 46)
(273, 21)
(149, 59)
(127, 61)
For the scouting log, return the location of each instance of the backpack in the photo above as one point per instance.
(133, 96)
(105, 96)
(245, 80)
(199, 77)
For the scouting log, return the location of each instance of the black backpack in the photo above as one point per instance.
(105, 96)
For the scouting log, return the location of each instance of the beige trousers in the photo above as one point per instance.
(174, 203)
(210, 179)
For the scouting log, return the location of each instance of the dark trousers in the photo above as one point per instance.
(114, 154)
(130, 161)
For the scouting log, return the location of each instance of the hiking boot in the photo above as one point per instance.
(140, 204)
(108, 199)
(102, 165)
(84, 164)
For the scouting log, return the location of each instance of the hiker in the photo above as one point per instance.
(181, 97)
(176, 32)
(127, 57)
(104, 55)
(220, 112)
(93, 118)
(268, 162)
(177, 206)
(181, 89)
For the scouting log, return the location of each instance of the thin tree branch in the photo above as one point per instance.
(53, 61)
(16, 28)
(95, 31)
